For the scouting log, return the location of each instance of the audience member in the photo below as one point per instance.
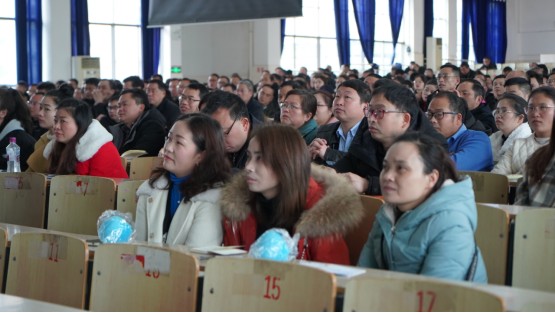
(36, 161)
(333, 140)
(298, 110)
(512, 123)
(540, 118)
(81, 145)
(34, 109)
(391, 112)
(15, 121)
(267, 97)
(427, 223)
(473, 94)
(448, 78)
(469, 149)
(190, 97)
(237, 123)
(518, 86)
(324, 108)
(180, 203)
(140, 127)
(159, 98)
(245, 91)
(280, 189)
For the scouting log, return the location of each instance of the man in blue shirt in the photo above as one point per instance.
(471, 150)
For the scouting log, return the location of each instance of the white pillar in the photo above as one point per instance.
(56, 40)
(453, 24)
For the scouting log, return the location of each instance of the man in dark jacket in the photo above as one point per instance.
(392, 111)
(237, 124)
(141, 127)
(333, 140)
(159, 98)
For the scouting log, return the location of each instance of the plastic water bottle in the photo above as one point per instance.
(12, 151)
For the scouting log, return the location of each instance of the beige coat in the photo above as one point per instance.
(196, 223)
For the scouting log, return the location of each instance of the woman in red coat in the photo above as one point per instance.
(280, 189)
(81, 145)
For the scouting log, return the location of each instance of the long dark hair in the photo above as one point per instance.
(12, 101)
(537, 163)
(214, 167)
(64, 157)
(284, 150)
(433, 156)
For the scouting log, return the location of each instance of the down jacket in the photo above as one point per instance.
(332, 208)
(434, 239)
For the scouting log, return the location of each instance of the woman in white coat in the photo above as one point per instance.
(179, 204)
(512, 122)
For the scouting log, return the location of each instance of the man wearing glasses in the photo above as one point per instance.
(392, 111)
(190, 97)
(469, 149)
(237, 124)
(448, 77)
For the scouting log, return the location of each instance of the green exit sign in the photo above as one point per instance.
(176, 69)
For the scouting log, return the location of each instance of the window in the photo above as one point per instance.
(310, 40)
(8, 68)
(115, 34)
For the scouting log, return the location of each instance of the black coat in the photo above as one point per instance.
(255, 109)
(366, 159)
(483, 114)
(170, 111)
(148, 133)
(329, 133)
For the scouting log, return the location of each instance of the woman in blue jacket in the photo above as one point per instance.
(427, 223)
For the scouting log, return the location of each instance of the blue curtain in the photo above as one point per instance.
(465, 36)
(282, 34)
(365, 16)
(395, 18)
(151, 43)
(80, 38)
(488, 21)
(496, 46)
(342, 31)
(28, 24)
(428, 21)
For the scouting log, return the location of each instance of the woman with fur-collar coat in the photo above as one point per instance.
(331, 206)
(81, 145)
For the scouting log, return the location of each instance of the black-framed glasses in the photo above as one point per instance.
(378, 113)
(541, 109)
(226, 133)
(438, 115)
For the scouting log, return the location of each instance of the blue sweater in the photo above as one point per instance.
(435, 239)
(471, 150)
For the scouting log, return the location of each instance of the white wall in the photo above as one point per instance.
(244, 47)
(530, 29)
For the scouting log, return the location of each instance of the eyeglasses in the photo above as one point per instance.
(440, 76)
(541, 109)
(113, 107)
(226, 133)
(188, 99)
(378, 113)
(290, 106)
(438, 115)
(502, 112)
(551, 81)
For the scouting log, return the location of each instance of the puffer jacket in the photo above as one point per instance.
(434, 239)
(332, 208)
